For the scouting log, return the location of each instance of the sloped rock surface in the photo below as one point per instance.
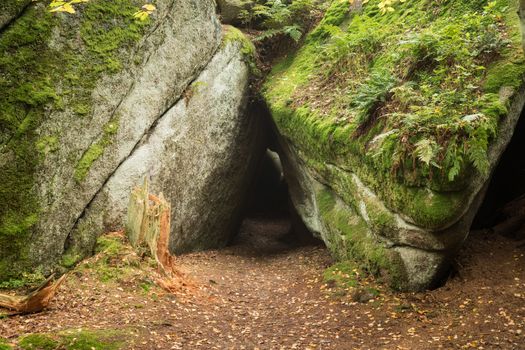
(201, 154)
(87, 96)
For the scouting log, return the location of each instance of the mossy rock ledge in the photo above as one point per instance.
(93, 102)
(390, 126)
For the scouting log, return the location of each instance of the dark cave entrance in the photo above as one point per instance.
(269, 224)
(507, 183)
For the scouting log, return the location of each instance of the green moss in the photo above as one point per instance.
(74, 340)
(109, 245)
(70, 259)
(4, 344)
(351, 240)
(26, 280)
(232, 34)
(341, 275)
(95, 151)
(113, 262)
(38, 342)
(325, 201)
(505, 75)
(47, 144)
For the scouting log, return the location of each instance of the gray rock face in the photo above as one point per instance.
(231, 9)
(171, 107)
(200, 154)
(129, 104)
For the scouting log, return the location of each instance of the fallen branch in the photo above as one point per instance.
(35, 301)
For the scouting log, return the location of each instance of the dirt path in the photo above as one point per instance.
(264, 292)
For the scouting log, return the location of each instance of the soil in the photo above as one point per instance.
(266, 291)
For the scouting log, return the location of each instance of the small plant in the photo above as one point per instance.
(279, 18)
(65, 6)
(372, 94)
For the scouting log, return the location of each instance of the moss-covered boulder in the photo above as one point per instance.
(82, 94)
(391, 124)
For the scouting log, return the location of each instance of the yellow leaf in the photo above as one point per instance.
(56, 3)
(141, 15)
(68, 8)
(149, 8)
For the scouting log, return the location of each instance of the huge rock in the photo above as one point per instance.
(84, 94)
(389, 131)
(201, 153)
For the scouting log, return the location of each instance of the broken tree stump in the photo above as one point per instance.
(148, 225)
(35, 301)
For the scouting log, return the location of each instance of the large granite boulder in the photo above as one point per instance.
(85, 94)
(391, 124)
(201, 153)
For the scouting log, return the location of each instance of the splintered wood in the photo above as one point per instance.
(148, 225)
(36, 301)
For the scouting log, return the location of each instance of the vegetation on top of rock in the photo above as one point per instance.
(414, 93)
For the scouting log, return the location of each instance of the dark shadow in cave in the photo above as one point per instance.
(507, 183)
(270, 225)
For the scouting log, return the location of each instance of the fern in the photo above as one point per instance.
(426, 150)
(293, 32)
(375, 90)
(477, 154)
(279, 17)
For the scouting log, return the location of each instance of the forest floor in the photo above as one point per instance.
(265, 292)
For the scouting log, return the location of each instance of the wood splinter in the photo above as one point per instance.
(35, 301)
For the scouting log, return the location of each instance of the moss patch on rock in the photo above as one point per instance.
(249, 53)
(406, 100)
(350, 239)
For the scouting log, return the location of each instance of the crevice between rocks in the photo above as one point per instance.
(16, 17)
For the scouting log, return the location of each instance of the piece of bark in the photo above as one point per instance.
(35, 301)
